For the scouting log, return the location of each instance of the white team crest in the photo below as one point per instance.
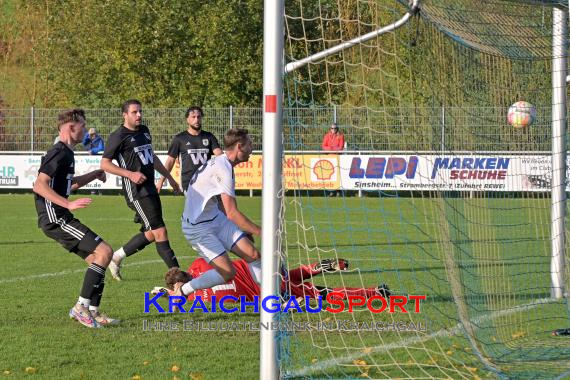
(147, 136)
(205, 142)
(188, 143)
(133, 139)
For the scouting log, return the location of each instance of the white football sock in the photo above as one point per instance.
(93, 308)
(205, 281)
(187, 288)
(255, 270)
(84, 301)
(119, 255)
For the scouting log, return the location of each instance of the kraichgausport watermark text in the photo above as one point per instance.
(338, 325)
(272, 304)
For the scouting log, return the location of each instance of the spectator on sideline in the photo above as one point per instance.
(94, 145)
(194, 147)
(93, 142)
(131, 147)
(333, 139)
(55, 182)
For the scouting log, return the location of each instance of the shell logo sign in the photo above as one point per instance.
(299, 172)
(323, 170)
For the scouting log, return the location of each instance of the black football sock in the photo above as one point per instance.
(98, 294)
(94, 277)
(137, 243)
(167, 254)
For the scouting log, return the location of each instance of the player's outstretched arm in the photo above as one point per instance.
(108, 166)
(84, 179)
(42, 188)
(159, 167)
(236, 216)
(168, 165)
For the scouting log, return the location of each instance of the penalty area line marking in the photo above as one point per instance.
(457, 329)
(66, 272)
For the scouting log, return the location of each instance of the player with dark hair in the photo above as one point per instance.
(193, 148)
(211, 231)
(131, 147)
(52, 187)
(294, 282)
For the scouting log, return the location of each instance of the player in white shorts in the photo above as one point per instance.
(211, 231)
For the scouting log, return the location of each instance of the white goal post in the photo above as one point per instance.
(273, 55)
(272, 151)
(274, 71)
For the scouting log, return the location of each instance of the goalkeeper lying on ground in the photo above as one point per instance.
(243, 283)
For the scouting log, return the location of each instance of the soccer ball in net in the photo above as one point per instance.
(521, 114)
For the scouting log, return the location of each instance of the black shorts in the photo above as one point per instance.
(73, 236)
(148, 212)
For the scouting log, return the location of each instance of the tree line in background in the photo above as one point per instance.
(170, 53)
(97, 53)
(167, 53)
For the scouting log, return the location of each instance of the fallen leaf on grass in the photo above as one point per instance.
(518, 334)
(362, 364)
(358, 362)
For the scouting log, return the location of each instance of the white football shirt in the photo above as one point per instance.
(213, 178)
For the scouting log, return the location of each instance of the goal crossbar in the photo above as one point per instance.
(292, 66)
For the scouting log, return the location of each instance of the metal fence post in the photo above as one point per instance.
(231, 117)
(32, 117)
(442, 128)
(334, 114)
(359, 189)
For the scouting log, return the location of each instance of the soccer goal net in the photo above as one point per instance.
(434, 193)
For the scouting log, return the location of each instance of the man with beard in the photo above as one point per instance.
(131, 147)
(212, 222)
(193, 148)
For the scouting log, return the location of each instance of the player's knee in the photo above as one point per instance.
(105, 250)
(149, 235)
(254, 255)
(160, 234)
(103, 254)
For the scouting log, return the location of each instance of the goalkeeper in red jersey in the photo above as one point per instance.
(293, 282)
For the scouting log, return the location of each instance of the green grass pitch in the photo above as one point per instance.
(40, 282)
